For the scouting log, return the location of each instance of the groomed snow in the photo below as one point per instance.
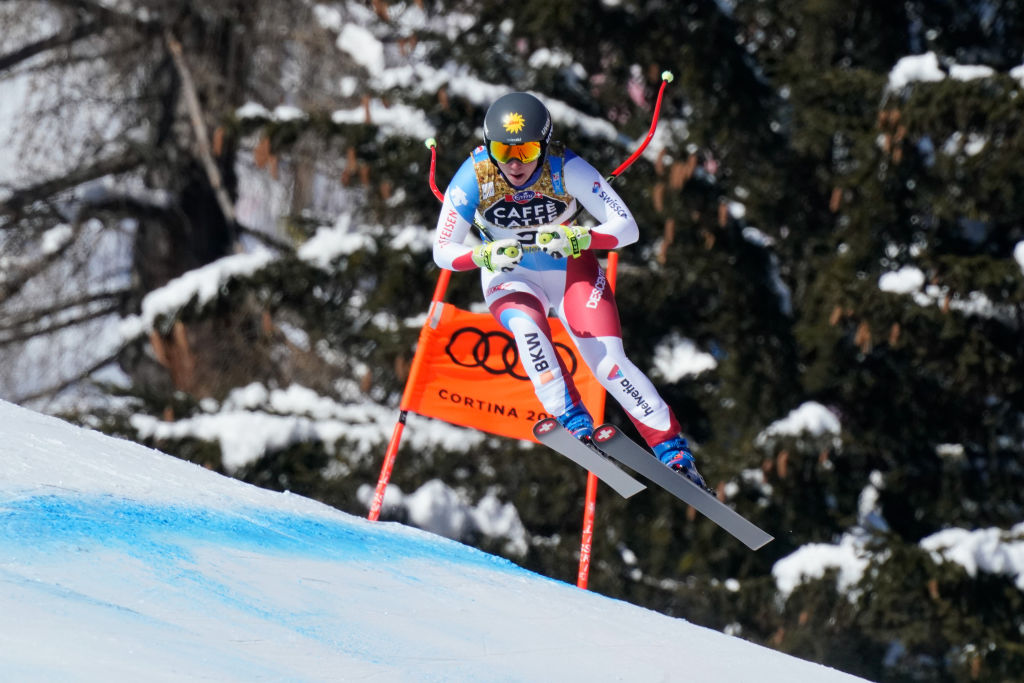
(121, 563)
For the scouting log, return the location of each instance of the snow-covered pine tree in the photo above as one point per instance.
(829, 233)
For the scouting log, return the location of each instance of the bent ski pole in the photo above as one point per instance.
(431, 144)
(666, 78)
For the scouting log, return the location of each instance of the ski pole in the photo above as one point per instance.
(666, 78)
(431, 144)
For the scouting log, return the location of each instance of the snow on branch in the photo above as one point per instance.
(202, 284)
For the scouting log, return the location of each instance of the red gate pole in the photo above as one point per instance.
(417, 363)
(590, 505)
(410, 382)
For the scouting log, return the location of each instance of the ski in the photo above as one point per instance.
(553, 435)
(617, 445)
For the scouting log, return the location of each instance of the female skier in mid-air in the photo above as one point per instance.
(523, 188)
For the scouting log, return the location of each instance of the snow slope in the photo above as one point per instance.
(118, 562)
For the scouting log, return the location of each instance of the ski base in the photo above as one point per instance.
(614, 443)
(553, 435)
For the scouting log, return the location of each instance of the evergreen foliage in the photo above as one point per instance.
(790, 178)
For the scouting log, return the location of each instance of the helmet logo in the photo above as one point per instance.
(513, 122)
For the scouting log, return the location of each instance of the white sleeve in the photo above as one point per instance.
(452, 230)
(617, 227)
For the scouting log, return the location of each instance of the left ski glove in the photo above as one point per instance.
(563, 241)
(499, 255)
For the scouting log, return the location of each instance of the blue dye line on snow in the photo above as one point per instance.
(163, 533)
(163, 538)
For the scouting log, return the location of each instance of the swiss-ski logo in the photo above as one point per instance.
(616, 208)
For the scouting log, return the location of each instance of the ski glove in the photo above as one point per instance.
(498, 255)
(562, 241)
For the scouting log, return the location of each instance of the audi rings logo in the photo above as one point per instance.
(496, 352)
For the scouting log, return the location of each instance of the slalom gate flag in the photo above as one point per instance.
(467, 372)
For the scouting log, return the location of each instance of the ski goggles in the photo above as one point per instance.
(525, 152)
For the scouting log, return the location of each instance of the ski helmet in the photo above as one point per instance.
(517, 118)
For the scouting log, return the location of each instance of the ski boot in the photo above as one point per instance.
(676, 454)
(578, 421)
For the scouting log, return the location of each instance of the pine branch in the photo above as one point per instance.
(16, 326)
(61, 386)
(108, 15)
(10, 287)
(30, 332)
(57, 40)
(266, 239)
(21, 198)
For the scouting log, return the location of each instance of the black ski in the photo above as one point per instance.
(552, 434)
(614, 443)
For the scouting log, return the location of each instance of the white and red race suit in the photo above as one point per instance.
(574, 288)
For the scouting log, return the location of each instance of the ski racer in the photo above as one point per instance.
(523, 190)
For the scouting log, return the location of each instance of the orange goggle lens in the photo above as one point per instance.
(526, 152)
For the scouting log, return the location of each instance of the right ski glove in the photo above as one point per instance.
(562, 241)
(499, 255)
